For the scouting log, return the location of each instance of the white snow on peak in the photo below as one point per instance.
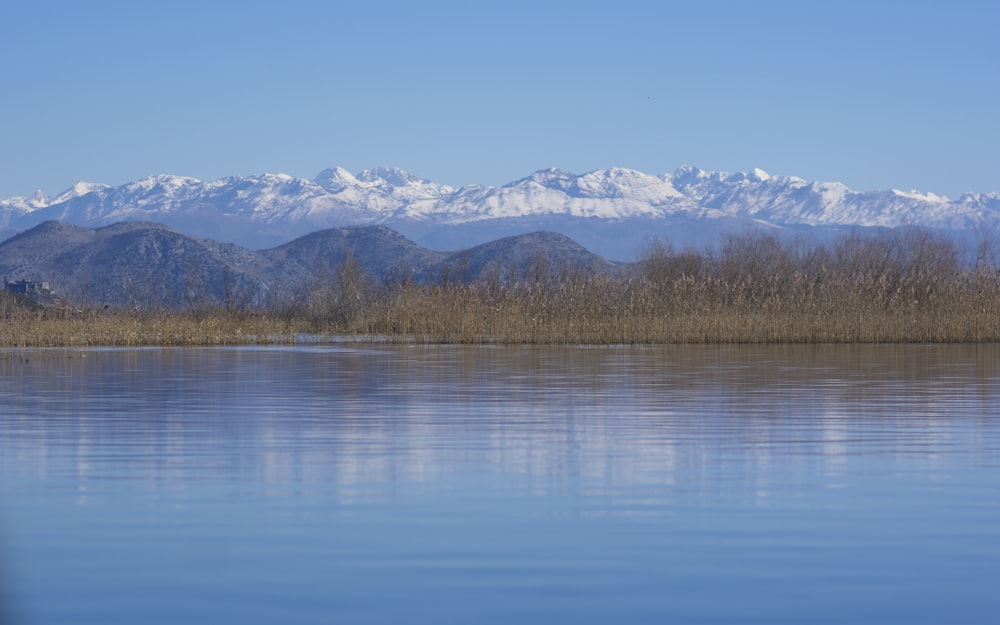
(335, 178)
(162, 183)
(917, 195)
(38, 199)
(833, 193)
(690, 170)
(285, 182)
(618, 182)
(753, 176)
(686, 176)
(393, 176)
(793, 180)
(79, 189)
(83, 187)
(550, 177)
(281, 204)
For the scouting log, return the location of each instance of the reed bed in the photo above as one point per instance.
(899, 286)
(465, 316)
(94, 328)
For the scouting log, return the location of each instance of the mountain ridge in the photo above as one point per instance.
(150, 265)
(610, 211)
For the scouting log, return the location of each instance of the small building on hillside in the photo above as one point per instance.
(30, 288)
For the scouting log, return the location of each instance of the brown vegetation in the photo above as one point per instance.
(78, 328)
(905, 285)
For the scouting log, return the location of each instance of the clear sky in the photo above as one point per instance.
(902, 94)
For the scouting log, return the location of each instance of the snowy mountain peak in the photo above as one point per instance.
(686, 176)
(618, 182)
(335, 179)
(79, 189)
(690, 203)
(391, 176)
(618, 173)
(690, 170)
(38, 199)
(553, 177)
(917, 195)
(269, 179)
(161, 183)
(754, 176)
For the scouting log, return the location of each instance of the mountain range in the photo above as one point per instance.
(149, 265)
(614, 212)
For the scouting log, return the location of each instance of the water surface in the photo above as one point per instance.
(319, 484)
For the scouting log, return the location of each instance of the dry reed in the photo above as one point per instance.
(130, 329)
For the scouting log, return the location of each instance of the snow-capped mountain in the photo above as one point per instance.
(614, 212)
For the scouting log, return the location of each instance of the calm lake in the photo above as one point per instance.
(446, 484)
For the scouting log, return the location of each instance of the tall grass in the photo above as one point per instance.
(906, 285)
(86, 328)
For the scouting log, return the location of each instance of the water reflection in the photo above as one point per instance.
(604, 417)
(533, 482)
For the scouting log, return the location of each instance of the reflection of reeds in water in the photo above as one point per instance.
(902, 286)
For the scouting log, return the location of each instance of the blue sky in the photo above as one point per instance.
(872, 94)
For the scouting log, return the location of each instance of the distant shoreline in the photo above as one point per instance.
(455, 318)
(217, 329)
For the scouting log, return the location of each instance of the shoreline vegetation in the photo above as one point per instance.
(899, 286)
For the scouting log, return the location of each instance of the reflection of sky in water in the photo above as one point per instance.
(550, 419)
(737, 457)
